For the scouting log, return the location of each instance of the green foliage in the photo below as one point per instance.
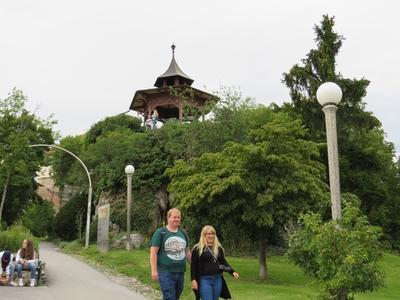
(318, 67)
(258, 185)
(65, 168)
(234, 118)
(38, 218)
(11, 239)
(342, 255)
(70, 216)
(113, 123)
(366, 159)
(370, 173)
(18, 163)
(191, 109)
(247, 179)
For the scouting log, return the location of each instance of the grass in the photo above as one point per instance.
(286, 281)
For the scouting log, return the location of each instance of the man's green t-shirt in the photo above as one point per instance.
(171, 256)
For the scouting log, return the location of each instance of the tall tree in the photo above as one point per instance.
(366, 159)
(258, 185)
(18, 164)
(318, 67)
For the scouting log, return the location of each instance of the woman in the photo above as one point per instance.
(208, 263)
(26, 261)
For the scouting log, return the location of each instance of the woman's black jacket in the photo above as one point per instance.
(202, 264)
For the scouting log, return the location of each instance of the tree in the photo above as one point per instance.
(71, 217)
(66, 169)
(318, 67)
(113, 123)
(342, 255)
(366, 159)
(18, 164)
(38, 218)
(191, 110)
(258, 185)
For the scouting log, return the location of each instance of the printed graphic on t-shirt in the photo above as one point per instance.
(175, 248)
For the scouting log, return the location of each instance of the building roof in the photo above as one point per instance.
(140, 98)
(173, 71)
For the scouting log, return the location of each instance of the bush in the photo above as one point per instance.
(343, 256)
(38, 218)
(11, 239)
(71, 219)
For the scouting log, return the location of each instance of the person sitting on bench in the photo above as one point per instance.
(7, 266)
(26, 261)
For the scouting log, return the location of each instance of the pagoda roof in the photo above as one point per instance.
(173, 71)
(140, 98)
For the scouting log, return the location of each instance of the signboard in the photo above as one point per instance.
(103, 226)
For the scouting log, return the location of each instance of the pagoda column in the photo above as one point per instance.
(180, 108)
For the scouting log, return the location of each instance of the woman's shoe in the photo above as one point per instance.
(20, 282)
(33, 282)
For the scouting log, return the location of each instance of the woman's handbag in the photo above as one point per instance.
(221, 267)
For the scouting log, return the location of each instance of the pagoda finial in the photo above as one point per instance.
(173, 48)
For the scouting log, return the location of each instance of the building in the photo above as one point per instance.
(173, 93)
(47, 189)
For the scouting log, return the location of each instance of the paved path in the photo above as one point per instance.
(69, 279)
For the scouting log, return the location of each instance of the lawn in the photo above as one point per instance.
(286, 281)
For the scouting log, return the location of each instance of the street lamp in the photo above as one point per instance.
(89, 204)
(329, 95)
(129, 169)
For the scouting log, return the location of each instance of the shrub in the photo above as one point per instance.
(71, 219)
(11, 239)
(38, 218)
(343, 256)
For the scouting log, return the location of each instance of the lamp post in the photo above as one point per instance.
(89, 204)
(129, 169)
(329, 95)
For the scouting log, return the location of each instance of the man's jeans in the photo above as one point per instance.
(31, 266)
(11, 275)
(171, 285)
(210, 287)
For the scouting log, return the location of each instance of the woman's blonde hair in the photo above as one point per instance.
(202, 244)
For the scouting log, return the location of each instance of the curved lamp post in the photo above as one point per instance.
(129, 170)
(90, 187)
(329, 95)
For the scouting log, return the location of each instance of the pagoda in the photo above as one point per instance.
(166, 98)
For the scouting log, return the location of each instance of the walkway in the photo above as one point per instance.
(69, 279)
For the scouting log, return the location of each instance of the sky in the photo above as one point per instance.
(82, 61)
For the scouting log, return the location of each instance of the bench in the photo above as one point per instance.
(26, 274)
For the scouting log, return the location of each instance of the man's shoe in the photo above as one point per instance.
(33, 282)
(20, 282)
(12, 283)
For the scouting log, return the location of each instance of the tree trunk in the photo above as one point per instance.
(342, 295)
(262, 257)
(3, 197)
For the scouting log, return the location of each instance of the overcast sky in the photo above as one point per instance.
(83, 60)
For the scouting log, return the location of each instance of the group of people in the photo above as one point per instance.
(24, 260)
(169, 252)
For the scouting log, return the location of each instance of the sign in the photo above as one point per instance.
(103, 225)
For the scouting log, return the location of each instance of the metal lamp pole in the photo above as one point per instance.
(329, 95)
(89, 204)
(129, 170)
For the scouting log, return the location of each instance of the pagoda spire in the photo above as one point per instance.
(173, 49)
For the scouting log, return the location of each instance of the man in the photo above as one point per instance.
(169, 249)
(7, 267)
